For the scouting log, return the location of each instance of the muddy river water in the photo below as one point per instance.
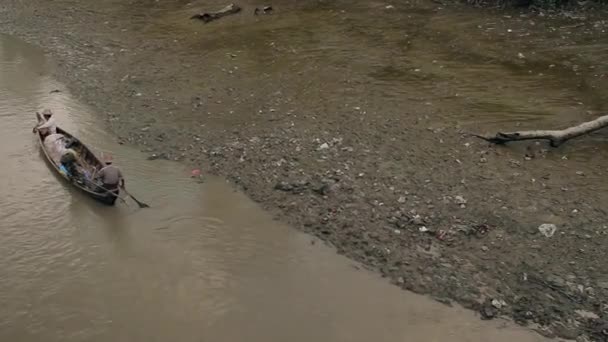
(203, 264)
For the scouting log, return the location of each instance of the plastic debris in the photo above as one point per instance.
(195, 173)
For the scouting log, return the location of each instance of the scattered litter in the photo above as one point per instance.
(195, 173)
(442, 234)
(547, 229)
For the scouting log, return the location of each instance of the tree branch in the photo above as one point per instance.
(555, 137)
(210, 16)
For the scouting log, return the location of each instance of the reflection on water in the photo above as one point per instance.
(203, 264)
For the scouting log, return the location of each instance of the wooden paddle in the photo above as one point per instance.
(141, 204)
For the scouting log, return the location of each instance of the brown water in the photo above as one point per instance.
(203, 264)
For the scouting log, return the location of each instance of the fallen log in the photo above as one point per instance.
(211, 16)
(555, 137)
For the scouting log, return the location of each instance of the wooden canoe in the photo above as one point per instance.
(92, 165)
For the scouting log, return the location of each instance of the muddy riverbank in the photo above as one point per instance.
(345, 120)
(206, 263)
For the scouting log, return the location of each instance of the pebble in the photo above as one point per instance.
(485, 248)
(460, 200)
(417, 220)
(587, 314)
(498, 303)
(547, 229)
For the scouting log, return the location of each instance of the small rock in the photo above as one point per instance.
(401, 199)
(460, 200)
(323, 190)
(324, 146)
(587, 314)
(498, 303)
(580, 173)
(485, 248)
(423, 229)
(400, 280)
(521, 55)
(283, 186)
(547, 229)
(417, 220)
(556, 281)
(488, 311)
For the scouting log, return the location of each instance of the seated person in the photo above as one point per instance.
(54, 145)
(110, 177)
(70, 160)
(48, 126)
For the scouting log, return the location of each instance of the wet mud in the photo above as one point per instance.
(346, 120)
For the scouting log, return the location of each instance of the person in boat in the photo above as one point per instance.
(49, 126)
(70, 159)
(110, 176)
(54, 144)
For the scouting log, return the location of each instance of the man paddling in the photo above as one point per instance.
(110, 176)
(49, 126)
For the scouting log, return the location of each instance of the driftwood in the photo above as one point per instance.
(263, 10)
(211, 16)
(555, 137)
